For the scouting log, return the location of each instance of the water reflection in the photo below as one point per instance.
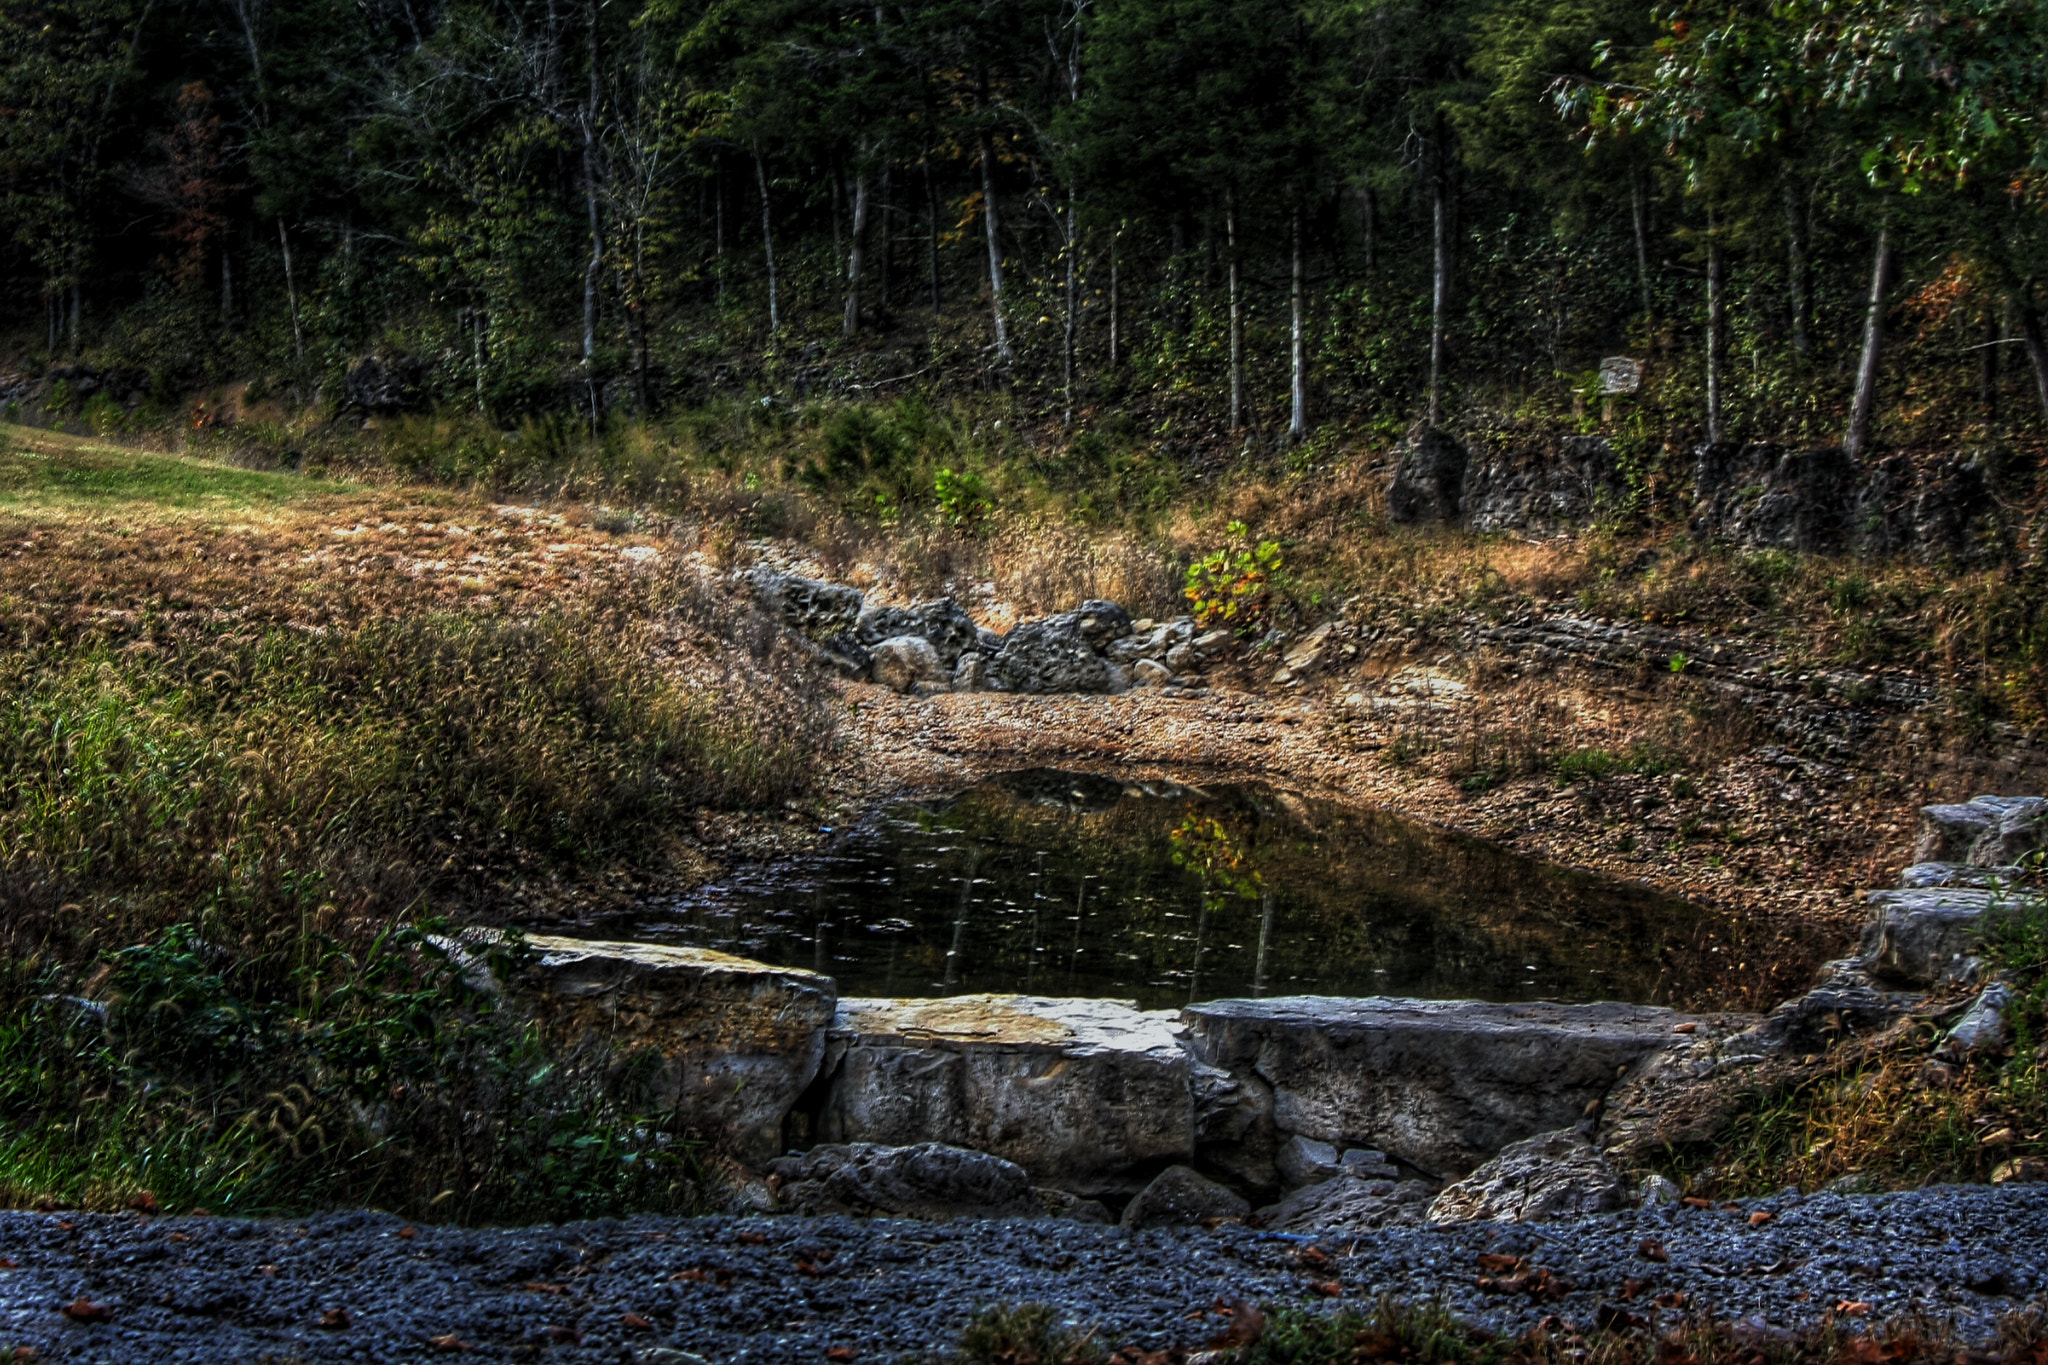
(1064, 884)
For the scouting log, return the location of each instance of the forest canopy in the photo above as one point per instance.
(1267, 214)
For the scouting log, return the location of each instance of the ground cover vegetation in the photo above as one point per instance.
(242, 792)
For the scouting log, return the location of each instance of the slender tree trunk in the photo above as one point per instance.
(1440, 285)
(1795, 269)
(1369, 218)
(78, 301)
(995, 247)
(855, 255)
(931, 207)
(1639, 204)
(887, 261)
(1297, 425)
(1114, 300)
(718, 226)
(1073, 300)
(1715, 327)
(595, 265)
(291, 292)
(227, 294)
(2030, 337)
(476, 340)
(767, 241)
(636, 322)
(838, 193)
(1236, 322)
(1863, 407)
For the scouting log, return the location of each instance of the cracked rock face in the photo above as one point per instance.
(1439, 1085)
(1350, 1203)
(1062, 653)
(739, 1042)
(927, 1180)
(942, 623)
(901, 662)
(1080, 1093)
(1181, 1197)
(812, 607)
(1554, 1175)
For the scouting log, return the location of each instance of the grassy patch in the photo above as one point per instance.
(48, 469)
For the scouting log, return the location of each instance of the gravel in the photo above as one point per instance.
(787, 1289)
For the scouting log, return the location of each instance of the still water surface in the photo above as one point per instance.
(1065, 884)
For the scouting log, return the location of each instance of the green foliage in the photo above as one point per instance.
(1026, 1334)
(1585, 765)
(1234, 583)
(963, 497)
(376, 1073)
(1206, 846)
(59, 471)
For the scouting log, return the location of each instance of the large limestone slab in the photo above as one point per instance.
(1930, 937)
(1439, 1084)
(1080, 1093)
(740, 1041)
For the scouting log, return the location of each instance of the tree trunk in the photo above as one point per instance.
(1297, 425)
(1114, 300)
(718, 227)
(1715, 326)
(931, 206)
(1987, 363)
(995, 246)
(1638, 199)
(1795, 269)
(1073, 300)
(476, 337)
(1440, 283)
(855, 255)
(767, 241)
(227, 295)
(887, 261)
(595, 265)
(291, 292)
(1369, 215)
(1236, 322)
(2030, 337)
(1864, 406)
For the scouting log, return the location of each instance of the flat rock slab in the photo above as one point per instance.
(740, 1041)
(1439, 1084)
(1929, 937)
(1077, 1092)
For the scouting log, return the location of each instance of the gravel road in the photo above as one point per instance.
(783, 1289)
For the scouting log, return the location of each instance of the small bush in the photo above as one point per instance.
(1585, 765)
(1026, 1334)
(1234, 583)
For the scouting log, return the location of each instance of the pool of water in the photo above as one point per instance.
(1064, 884)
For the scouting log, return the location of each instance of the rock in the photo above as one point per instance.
(928, 1180)
(1846, 1003)
(1429, 482)
(942, 623)
(1150, 673)
(1209, 644)
(1058, 653)
(2025, 1170)
(1442, 1085)
(83, 381)
(1549, 489)
(380, 386)
(1372, 1165)
(810, 606)
(1657, 1192)
(1927, 876)
(1184, 658)
(971, 674)
(847, 656)
(1072, 1207)
(1927, 938)
(1556, 1175)
(1151, 644)
(1948, 833)
(1182, 1197)
(1080, 1093)
(738, 1042)
(1982, 1027)
(2021, 826)
(1349, 1203)
(1308, 653)
(904, 661)
(1765, 495)
(1304, 1161)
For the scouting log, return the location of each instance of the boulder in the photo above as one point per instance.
(1072, 1207)
(846, 656)
(383, 386)
(809, 606)
(1765, 495)
(1151, 644)
(927, 1180)
(1441, 1085)
(1150, 673)
(1927, 876)
(738, 1042)
(1982, 1027)
(1928, 938)
(1080, 1093)
(1429, 481)
(1060, 653)
(2021, 827)
(1311, 651)
(1847, 1003)
(1304, 1161)
(1947, 833)
(1184, 658)
(903, 662)
(1555, 1175)
(943, 623)
(1350, 1203)
(1548, 489)
(971, 673)
(1181, 1197)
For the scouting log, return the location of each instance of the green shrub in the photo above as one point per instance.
(1585, 765)
(1234, 583)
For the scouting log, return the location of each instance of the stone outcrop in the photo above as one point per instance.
(811, 607)
(1545, 490)
(1438, 1085)
(1767, 495)
(1062, 653)
(903, 662)
(1553, 1175)
(926, 1180)
(1927, 938)
(1180, 1197)
(1350, 1203)
(1080, 1093)
(738, 1041)
(383, 386)
(1429, 482)
(943, 624)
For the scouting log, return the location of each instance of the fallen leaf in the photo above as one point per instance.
(1692, 1201)
(448, 1341)
(1247, 1325)
(7, 1262)
(1851, 1308)
(753, 1239)
(1498, 1263)
(1672, 1299)
(537, 1287)
(633, 1322)
(268, 1272)
(143, 1203)
(1631, 1288)
(841, 1354)
(24, 1355)
(1761, 1217)
(408, 1232)
(334, 1319)
(562, 1336)
(1329, 1289)
(806, 1268)
(83, 1309)
(177, 1237)
(1686, 1028)
(1316, 1257)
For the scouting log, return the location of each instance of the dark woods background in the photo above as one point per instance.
(1223, 222)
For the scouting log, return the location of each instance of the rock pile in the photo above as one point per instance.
(935, 647)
